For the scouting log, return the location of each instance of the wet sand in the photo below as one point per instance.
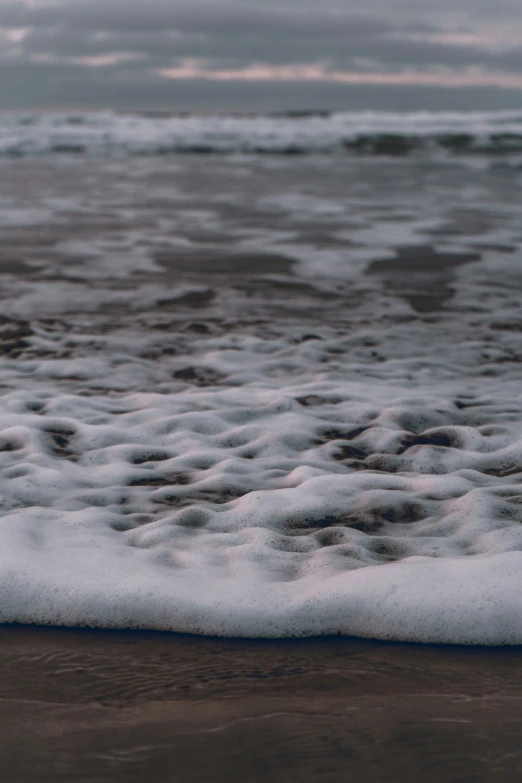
(106, 707)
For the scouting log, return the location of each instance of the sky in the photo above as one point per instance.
(260, 54)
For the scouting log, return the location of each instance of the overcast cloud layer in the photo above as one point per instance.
(209, 53)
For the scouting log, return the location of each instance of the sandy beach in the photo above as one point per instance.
(111, 707)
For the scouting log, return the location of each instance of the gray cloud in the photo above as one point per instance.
(346, 35)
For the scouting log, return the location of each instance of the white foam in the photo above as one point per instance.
(239, 510)
(102, 132)
(293, 463)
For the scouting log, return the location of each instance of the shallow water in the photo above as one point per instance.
(262, 396)
(123, 706)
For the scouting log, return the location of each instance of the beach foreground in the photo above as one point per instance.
(259, 395)
(106, 707)
(262, 396)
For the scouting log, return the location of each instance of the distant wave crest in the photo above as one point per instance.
(293, 133)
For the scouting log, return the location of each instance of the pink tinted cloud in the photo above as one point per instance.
(319, 72)
(14, 34)
(96, 61)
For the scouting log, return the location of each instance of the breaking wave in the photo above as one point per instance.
(294, 133)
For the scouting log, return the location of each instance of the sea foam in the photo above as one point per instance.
(291, 407)
(255, 511)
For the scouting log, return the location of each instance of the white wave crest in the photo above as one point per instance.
(107, 132)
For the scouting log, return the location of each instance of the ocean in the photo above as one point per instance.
(260, 375)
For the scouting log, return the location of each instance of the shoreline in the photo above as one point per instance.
(115, 706)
